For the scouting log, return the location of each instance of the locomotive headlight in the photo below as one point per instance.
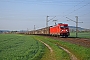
(67, 30)
(61, 30)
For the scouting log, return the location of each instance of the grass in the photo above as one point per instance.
(81, 34)
(20, 47)
(27, 47)
(82, 53)
(59, 54)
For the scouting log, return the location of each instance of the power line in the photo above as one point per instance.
(77, 9)
(76, 24)
(85, 14)
(48, 20)
(76, 5)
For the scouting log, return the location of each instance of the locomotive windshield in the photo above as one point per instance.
(63, 27)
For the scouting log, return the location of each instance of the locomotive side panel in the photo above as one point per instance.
(54, 30)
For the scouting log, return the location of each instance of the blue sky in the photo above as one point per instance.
(23, 14)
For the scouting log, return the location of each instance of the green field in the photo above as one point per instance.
(29, 47)
(59, 54)
(81, 34)
(26, 47)
(20, 47)
(82, 53)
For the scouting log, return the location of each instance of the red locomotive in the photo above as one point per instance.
(57, 30)
(60, 30)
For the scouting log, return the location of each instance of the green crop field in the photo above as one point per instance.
(20, 47)
(82, 53)
(81, 34)
(26, 47)
(29, 47)
(58, 53)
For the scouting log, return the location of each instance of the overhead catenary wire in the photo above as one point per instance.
(52, 2)
(77, 9)
(84, 14)
(35, 1)
(76, 5)
(73, 11)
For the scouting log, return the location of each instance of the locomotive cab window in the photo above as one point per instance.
(63, 27)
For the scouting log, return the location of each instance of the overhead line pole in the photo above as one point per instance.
(76, 24)
(55, 21)
(34, 29)
(48, 20)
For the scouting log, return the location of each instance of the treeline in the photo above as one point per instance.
(7, 32)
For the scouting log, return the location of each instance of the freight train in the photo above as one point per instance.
(57, 30)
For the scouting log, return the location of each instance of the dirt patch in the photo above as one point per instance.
(78, 41)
